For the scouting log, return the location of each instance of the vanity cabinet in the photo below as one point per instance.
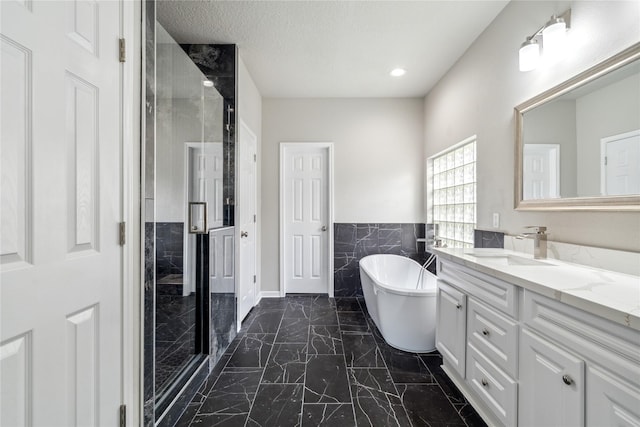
(551, 384)
(451, 326)
(529, 360)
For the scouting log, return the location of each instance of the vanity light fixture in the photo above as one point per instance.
(552, 34)
(397, 72)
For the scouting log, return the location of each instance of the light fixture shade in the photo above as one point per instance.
(553, 38)
(529, 55)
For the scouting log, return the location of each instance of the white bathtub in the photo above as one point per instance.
(403, 310)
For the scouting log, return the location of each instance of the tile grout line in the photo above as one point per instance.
(216, 379)
(264, 368)
(344, 357)
(387, 369)
(306, 361)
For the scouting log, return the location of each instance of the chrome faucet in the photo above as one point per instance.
(539, 241)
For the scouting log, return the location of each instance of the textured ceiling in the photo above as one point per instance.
(336, 48)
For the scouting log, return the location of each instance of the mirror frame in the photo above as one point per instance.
(592, 203)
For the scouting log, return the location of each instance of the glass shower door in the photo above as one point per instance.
(188, 202)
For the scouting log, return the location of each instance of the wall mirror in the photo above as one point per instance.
(578, 144)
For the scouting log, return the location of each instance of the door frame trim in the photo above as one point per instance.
(329, 146)
(244, 127)
(132, 108)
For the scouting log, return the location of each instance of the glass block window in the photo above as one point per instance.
(453, 194)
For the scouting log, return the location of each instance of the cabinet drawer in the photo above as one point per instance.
(597, 339)
(492, 291)
(498, 392)
(495, 335)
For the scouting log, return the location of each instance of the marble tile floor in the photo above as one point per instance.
(317, 361)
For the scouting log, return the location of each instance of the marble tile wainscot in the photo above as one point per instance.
(488, 239)
(354, 241)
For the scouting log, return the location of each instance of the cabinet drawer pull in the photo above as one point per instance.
(485, 332)
(567, 379)
(484, 382)
(458, 306)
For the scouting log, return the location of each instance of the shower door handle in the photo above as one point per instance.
(198, 226)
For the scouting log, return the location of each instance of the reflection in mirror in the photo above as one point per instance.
(581, 140)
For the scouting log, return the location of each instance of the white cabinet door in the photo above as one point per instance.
(451, 326)
(611, 401)
(551, 384)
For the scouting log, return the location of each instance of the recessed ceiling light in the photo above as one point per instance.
(397, 72)
(207, 83)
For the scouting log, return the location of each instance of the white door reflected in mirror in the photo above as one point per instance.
(621, 164)
(541, 165)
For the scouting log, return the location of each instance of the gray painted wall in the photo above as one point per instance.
(478, 94)
(378, 162)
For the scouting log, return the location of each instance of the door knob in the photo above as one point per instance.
(244, 234)
(324, 228)
(567, 379)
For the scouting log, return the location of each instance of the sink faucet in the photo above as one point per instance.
(539, 241)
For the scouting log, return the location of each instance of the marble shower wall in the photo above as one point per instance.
(169, 253)
(352, 242)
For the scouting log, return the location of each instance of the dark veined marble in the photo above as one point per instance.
(327, 415)
(169, 248)
(354, 241)
(338, 377)
(375, 399)
(488, 239)
(326, 380)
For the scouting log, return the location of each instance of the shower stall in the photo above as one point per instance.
(189, 308)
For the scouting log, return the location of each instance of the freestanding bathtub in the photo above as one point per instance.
(403, 309)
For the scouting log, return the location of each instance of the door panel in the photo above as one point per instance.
(61, 196)
(305, 184)
(247, 211)
(541, 164)
(622, 164)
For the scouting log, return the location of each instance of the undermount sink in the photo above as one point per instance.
(505, 259)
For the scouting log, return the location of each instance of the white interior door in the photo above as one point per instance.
(247, 214)
(61, 268)
(541, 166)
(204, 174)
(305, 217)
(621, 164)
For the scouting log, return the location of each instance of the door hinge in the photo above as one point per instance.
(122, 50)
(123, 415)
(255, 157)
(255, 218)
(605, 160)
(254, 278)
(122, 232)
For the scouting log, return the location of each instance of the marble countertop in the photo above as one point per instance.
(608, 294)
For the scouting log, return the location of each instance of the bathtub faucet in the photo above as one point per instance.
(539, 241)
